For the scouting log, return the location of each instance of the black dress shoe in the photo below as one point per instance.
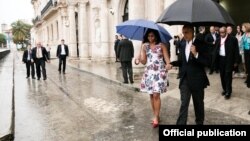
(227, 96)
(33, 78)
(27, 76)
(132, 82)
(44, 78)
(38, 78)
(249, 113)
(223, 93)
(125, 82)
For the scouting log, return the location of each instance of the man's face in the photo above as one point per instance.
(229, 30)
(62, 42)
(39, 44)
(187, 34)
(223, 32)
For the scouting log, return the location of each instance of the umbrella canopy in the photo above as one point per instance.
(136, 29)
(195, 12)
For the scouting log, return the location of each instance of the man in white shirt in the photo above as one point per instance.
(227, 54)
(40, 56)
(62, 52)
(193, 78)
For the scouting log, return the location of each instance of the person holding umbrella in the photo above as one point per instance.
(193, 78)
(154, 81)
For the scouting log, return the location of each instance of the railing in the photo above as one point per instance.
(48, 5)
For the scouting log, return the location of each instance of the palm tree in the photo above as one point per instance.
(21, 32)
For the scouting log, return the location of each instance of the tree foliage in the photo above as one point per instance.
(21, 32)
(2, 39)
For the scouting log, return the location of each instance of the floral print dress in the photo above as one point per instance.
(154, 79)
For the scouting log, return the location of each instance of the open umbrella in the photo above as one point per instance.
(136, 29)
(195, 12)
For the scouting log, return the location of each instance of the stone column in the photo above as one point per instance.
(104, 29)
(83, 30)
(72, 31)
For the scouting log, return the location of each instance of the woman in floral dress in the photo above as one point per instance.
(154, 80)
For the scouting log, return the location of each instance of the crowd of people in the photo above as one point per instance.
(35, 59)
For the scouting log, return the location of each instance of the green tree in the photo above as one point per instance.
(2, 39)
(21, 32)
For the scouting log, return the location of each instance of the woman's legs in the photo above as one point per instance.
(157, 106)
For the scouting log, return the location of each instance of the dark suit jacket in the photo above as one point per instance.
(25, 56)
(209, 41)
(44, 53)
(125, 50)
(232, 52)
(59, 49)
(194, 69)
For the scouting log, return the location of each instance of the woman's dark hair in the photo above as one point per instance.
(157, 36)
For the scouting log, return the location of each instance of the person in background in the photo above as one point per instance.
(28, 60)
(227, 52)
(62, 53)
(40, 56)
(245, 45)
(117, 40)
(126, 54)
(48, 48)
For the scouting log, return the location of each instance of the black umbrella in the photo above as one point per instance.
(195, 12)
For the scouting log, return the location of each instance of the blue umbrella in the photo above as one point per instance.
(136, 29)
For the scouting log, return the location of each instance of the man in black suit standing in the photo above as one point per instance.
(40, 56)
(27, 59)
(210, 39)
(193, 78)
(126, 54)
(62, 52)
(227, 53)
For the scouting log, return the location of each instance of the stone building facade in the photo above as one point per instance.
(88, 26)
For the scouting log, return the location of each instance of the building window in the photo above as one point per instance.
(126, 10)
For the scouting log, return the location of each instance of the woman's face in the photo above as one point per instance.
(238, 28)
(151, 37)
(243, 28)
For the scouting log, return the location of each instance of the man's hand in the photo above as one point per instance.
(193, 50)
(48, 61)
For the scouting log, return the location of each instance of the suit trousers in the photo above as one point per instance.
(225, 76)
(62, 60)
(29, 65)
(127, 70)
(198, 101)
(40, 63)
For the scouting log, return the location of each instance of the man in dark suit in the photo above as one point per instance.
(126, 54)
(227, 54)
(62, 52)
(27, 59)
(193, 78)
(210, 39)
(40, 56)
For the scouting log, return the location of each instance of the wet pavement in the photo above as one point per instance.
(6, 96)
(80, 106)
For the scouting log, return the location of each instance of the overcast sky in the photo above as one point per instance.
(12, 10)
